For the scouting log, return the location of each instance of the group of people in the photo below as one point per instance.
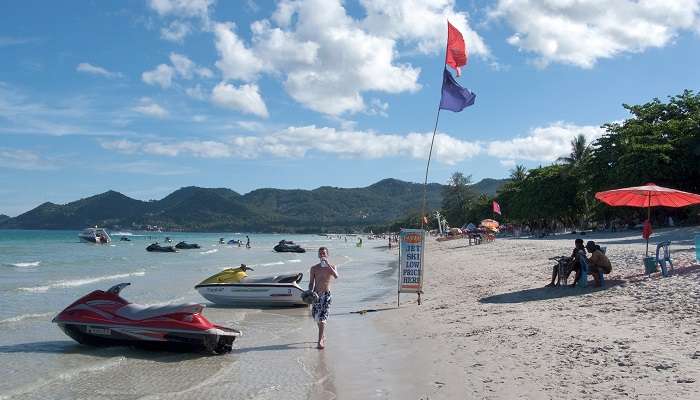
(598, 263)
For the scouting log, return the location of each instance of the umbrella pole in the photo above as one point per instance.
(648, 219)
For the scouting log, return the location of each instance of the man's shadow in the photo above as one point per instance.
(547, 293)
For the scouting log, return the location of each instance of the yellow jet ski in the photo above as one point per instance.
(234, 287)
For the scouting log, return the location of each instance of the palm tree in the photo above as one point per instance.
(519, 173)
(579, 151)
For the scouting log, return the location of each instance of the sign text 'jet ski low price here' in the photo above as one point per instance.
(411, 247)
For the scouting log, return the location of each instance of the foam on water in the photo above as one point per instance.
(23, 317)
(272, 263)
(24, 264)
(79, 282)
(209, 251)
(293, 261)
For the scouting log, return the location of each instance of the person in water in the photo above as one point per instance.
(320, 282)
(247, 242)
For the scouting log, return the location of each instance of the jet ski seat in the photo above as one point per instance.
(137, 312)
(289, 278)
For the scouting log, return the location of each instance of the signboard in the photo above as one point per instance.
(411, 246)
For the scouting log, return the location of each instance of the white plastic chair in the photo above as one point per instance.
(662, 259)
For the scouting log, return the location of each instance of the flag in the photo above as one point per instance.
(496, 207)
(454, 97)
(456, 49)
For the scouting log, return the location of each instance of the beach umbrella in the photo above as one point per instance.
(647, 196)
(489, 223)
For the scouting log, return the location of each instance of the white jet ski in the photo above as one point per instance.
(234, 287)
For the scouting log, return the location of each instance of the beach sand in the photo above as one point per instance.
(488, 328)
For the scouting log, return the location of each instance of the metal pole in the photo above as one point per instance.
(427, 167)
(649, 219)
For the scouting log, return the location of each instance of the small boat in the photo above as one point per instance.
(158, 248)
(185, 245)
(287, 246)
(94, 235)
(125, 239)
(103, 318)
(234, 241)
(233, 286)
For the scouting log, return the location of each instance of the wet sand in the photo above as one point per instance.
(488, 328)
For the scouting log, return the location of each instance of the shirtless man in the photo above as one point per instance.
(320, 282)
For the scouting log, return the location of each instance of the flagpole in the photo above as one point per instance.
(427, 167)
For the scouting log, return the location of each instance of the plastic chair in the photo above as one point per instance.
(662, 259)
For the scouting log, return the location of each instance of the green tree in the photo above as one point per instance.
(455, 199)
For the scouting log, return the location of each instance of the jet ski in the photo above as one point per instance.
(221, 241)
(168, 240)
(106, 319)
(233, 286)
(185, 245)
(287, 246)
(163, 249)
(125, 239)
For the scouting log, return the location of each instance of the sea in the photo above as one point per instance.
(42, 272)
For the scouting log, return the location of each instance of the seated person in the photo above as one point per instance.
(598, 262)
(572, 263)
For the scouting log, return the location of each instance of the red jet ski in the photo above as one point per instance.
(105, 319)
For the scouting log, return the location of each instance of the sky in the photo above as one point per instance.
(147, 96)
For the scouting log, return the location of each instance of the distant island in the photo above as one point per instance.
(325, 209)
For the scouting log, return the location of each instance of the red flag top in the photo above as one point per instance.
(456, 49)
(496, 208)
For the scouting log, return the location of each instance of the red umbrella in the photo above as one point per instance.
(648, 196)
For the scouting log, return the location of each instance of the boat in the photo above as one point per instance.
(233, 286)
(234, 241)
(185, 245)
(158, 248)
(103, 318)
(125, 239)
(94, 235)
(287, 246)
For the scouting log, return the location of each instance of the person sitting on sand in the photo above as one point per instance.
(572, 264)
(597, 262)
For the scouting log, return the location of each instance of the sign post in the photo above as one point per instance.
(411, 249)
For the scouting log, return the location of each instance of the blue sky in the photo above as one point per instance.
(145, 97)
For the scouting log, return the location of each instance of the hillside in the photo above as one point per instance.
(325, 209)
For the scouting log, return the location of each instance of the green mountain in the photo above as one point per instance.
(3, 218)
(325, 209)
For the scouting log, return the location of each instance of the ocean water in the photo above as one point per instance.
(42, 272)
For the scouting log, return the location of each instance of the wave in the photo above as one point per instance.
(293, 261)
(24, 264)
(23, 317)
(209, 251)
(79, 282)
(272, 263)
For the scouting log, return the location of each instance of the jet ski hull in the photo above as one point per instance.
(217, 341)
(253, 294)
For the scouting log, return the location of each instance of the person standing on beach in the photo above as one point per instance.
(320, 282)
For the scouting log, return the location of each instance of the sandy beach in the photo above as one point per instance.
(488, 328)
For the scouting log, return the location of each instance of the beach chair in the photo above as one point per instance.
(663, 258)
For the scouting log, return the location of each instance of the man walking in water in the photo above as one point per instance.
(320, 282)
(247, 242)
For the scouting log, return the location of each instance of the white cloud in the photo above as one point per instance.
(543, 143)
(296, 142)
(122, 146)
(96, 70)
(23, 160)
(196, 92)
(162, 76)
(236, 61)
(422, 22)
(150, 108)
(581, 32)
(176, 31)
(245, 98)
(182, 8)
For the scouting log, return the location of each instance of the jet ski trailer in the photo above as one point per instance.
(106, 319)
(233, 287)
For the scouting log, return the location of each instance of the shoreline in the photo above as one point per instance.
(488, 328)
